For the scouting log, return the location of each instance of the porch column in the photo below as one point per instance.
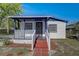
(14, 27)
(45, 25)
(18, 24)
(48, 34)
(24, 28)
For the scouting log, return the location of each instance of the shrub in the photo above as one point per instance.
(7, 42)
(4, 31)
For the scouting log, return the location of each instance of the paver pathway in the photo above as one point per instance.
(41, 48)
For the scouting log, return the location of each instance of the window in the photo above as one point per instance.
(52, 28)
(28, 26)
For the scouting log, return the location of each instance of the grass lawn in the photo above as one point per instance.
(66, 47)
(13, 51)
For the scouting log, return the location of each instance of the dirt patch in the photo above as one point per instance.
(65, 48)
(53, 44)
(15, 45)
(9, 51)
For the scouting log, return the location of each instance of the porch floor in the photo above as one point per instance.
(41, 47)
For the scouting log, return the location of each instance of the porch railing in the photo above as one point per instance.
(23, 34)
(19, 34)
(27, 35)
(48, 39)
(33, 40)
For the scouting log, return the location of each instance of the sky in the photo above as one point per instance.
(64, 11)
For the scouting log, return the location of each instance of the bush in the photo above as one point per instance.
(4, 31)
(7, 42)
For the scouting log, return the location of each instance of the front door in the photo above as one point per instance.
(39, 28)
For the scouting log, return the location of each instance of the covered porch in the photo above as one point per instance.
(28, 29)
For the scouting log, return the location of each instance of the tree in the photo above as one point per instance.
(76, 26)
(9, 9)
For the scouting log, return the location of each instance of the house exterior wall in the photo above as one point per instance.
(61, 30)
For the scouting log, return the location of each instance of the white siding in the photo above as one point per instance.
(61, 29)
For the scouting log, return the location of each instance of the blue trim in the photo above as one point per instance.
(58, 19)
(36, 18)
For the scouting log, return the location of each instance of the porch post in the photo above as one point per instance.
(18, 24)
(48, 33)
(45, 25)
(24, 28)
(14, 27)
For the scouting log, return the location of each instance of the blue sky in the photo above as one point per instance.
(65, 11)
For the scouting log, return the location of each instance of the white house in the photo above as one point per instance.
(31, 27)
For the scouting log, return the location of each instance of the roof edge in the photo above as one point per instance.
(50, 17)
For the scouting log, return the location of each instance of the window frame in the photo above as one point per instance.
(25, 25)
(52, 31)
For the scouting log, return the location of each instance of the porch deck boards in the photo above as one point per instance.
(41, 48)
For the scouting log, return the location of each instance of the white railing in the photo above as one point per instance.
(48, 39)
(19, 34)
(33, 39)
(24, 34)
(27, 35)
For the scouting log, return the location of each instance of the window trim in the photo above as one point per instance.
(52, 30)
(28, 22)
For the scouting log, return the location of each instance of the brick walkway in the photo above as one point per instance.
(41, 48)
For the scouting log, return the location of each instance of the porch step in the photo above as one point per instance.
(41, 48)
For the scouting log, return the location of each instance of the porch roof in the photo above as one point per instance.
(36, 18)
